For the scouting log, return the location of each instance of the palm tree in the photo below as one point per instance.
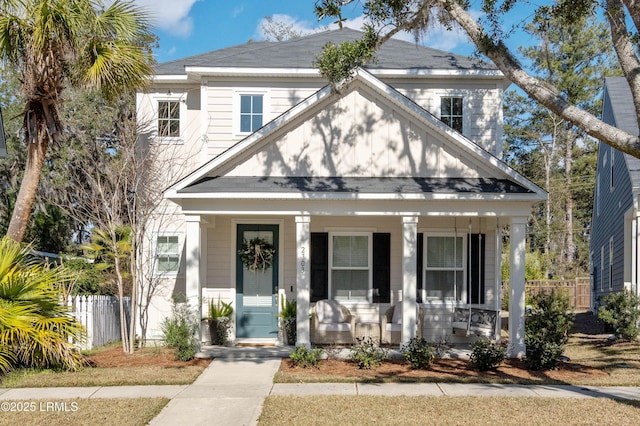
(111, 251)
(36, 329)
(55, 44)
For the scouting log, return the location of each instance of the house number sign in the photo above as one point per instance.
(303, 261)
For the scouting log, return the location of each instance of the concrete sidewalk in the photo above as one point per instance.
(231, 391)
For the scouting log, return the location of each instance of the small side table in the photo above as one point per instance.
(368, 329)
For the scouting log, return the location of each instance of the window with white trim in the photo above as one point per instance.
(251, 112)
(611, 263)
(444, 272)
(451, 112)
(350, 260)
(598, 195)
(167, 253)
(602, 268)
(612, 151)
(169, 119)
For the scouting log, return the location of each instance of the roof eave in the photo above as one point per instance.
(197, 72)
(339, 196)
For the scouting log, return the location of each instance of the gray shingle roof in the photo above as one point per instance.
(354, 185)
(624, 114)
(300, 53)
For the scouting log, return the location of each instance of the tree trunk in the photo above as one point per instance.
(35, 125)
(123, 314)
(134, 298)
(547, 213)
(570, 247)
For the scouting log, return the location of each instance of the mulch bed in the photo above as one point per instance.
(144, 357)
(445, 370)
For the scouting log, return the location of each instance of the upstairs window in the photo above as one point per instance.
(451, 112)
(167, 253)
(169, 119)
(251, 112)
(611, 168)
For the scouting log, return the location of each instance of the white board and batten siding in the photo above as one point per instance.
(222, 110)
(359, 135)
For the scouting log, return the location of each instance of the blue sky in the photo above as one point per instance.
(189, 27)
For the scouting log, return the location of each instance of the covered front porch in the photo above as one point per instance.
(212, 240)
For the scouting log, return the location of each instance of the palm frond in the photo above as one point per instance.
(36, 329)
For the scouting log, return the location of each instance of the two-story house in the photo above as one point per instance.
(386, 190)
(615, 234)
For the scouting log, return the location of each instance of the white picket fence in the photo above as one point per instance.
(100, 315)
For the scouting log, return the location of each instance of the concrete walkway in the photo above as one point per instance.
(231, 391)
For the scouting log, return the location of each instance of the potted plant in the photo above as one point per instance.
(219, 316)
(287, 317)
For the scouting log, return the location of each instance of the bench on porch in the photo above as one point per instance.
(481, 322)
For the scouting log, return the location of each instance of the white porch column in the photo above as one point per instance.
(303, 280)
(409, 265)
(193, 274)
(516, 287)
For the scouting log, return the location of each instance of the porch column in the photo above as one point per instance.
(303, 280)
(409, 265)
(193, 275)
(516, 287)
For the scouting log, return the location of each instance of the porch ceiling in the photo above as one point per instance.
(354, 185)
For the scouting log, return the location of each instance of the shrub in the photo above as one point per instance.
(621, 311)
(486, 354)
(419, 353)
(306, 358)
(88, 279)
(179, 331)
(367, 353)
(547, 329)
(36, 330)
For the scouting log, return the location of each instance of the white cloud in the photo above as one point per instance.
(302, 27)
(237, 11)
(171, 16)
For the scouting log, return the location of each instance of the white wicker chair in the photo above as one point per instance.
(331, 323)
(391, 327)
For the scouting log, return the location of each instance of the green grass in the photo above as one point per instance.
(114, 376)
(621, 361)
(106, 376)
(443, 410)
(103, 412)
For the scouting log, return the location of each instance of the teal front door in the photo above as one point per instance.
(257, 283)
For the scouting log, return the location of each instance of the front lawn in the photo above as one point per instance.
(147, 366)
(445, 410)
(116, 412)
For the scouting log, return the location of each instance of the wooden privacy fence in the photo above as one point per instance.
(100, 315)
(578, 289)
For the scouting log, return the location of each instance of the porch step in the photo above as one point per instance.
(245, 352)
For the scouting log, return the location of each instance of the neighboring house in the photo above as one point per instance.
(616, 212)
(388, 188)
